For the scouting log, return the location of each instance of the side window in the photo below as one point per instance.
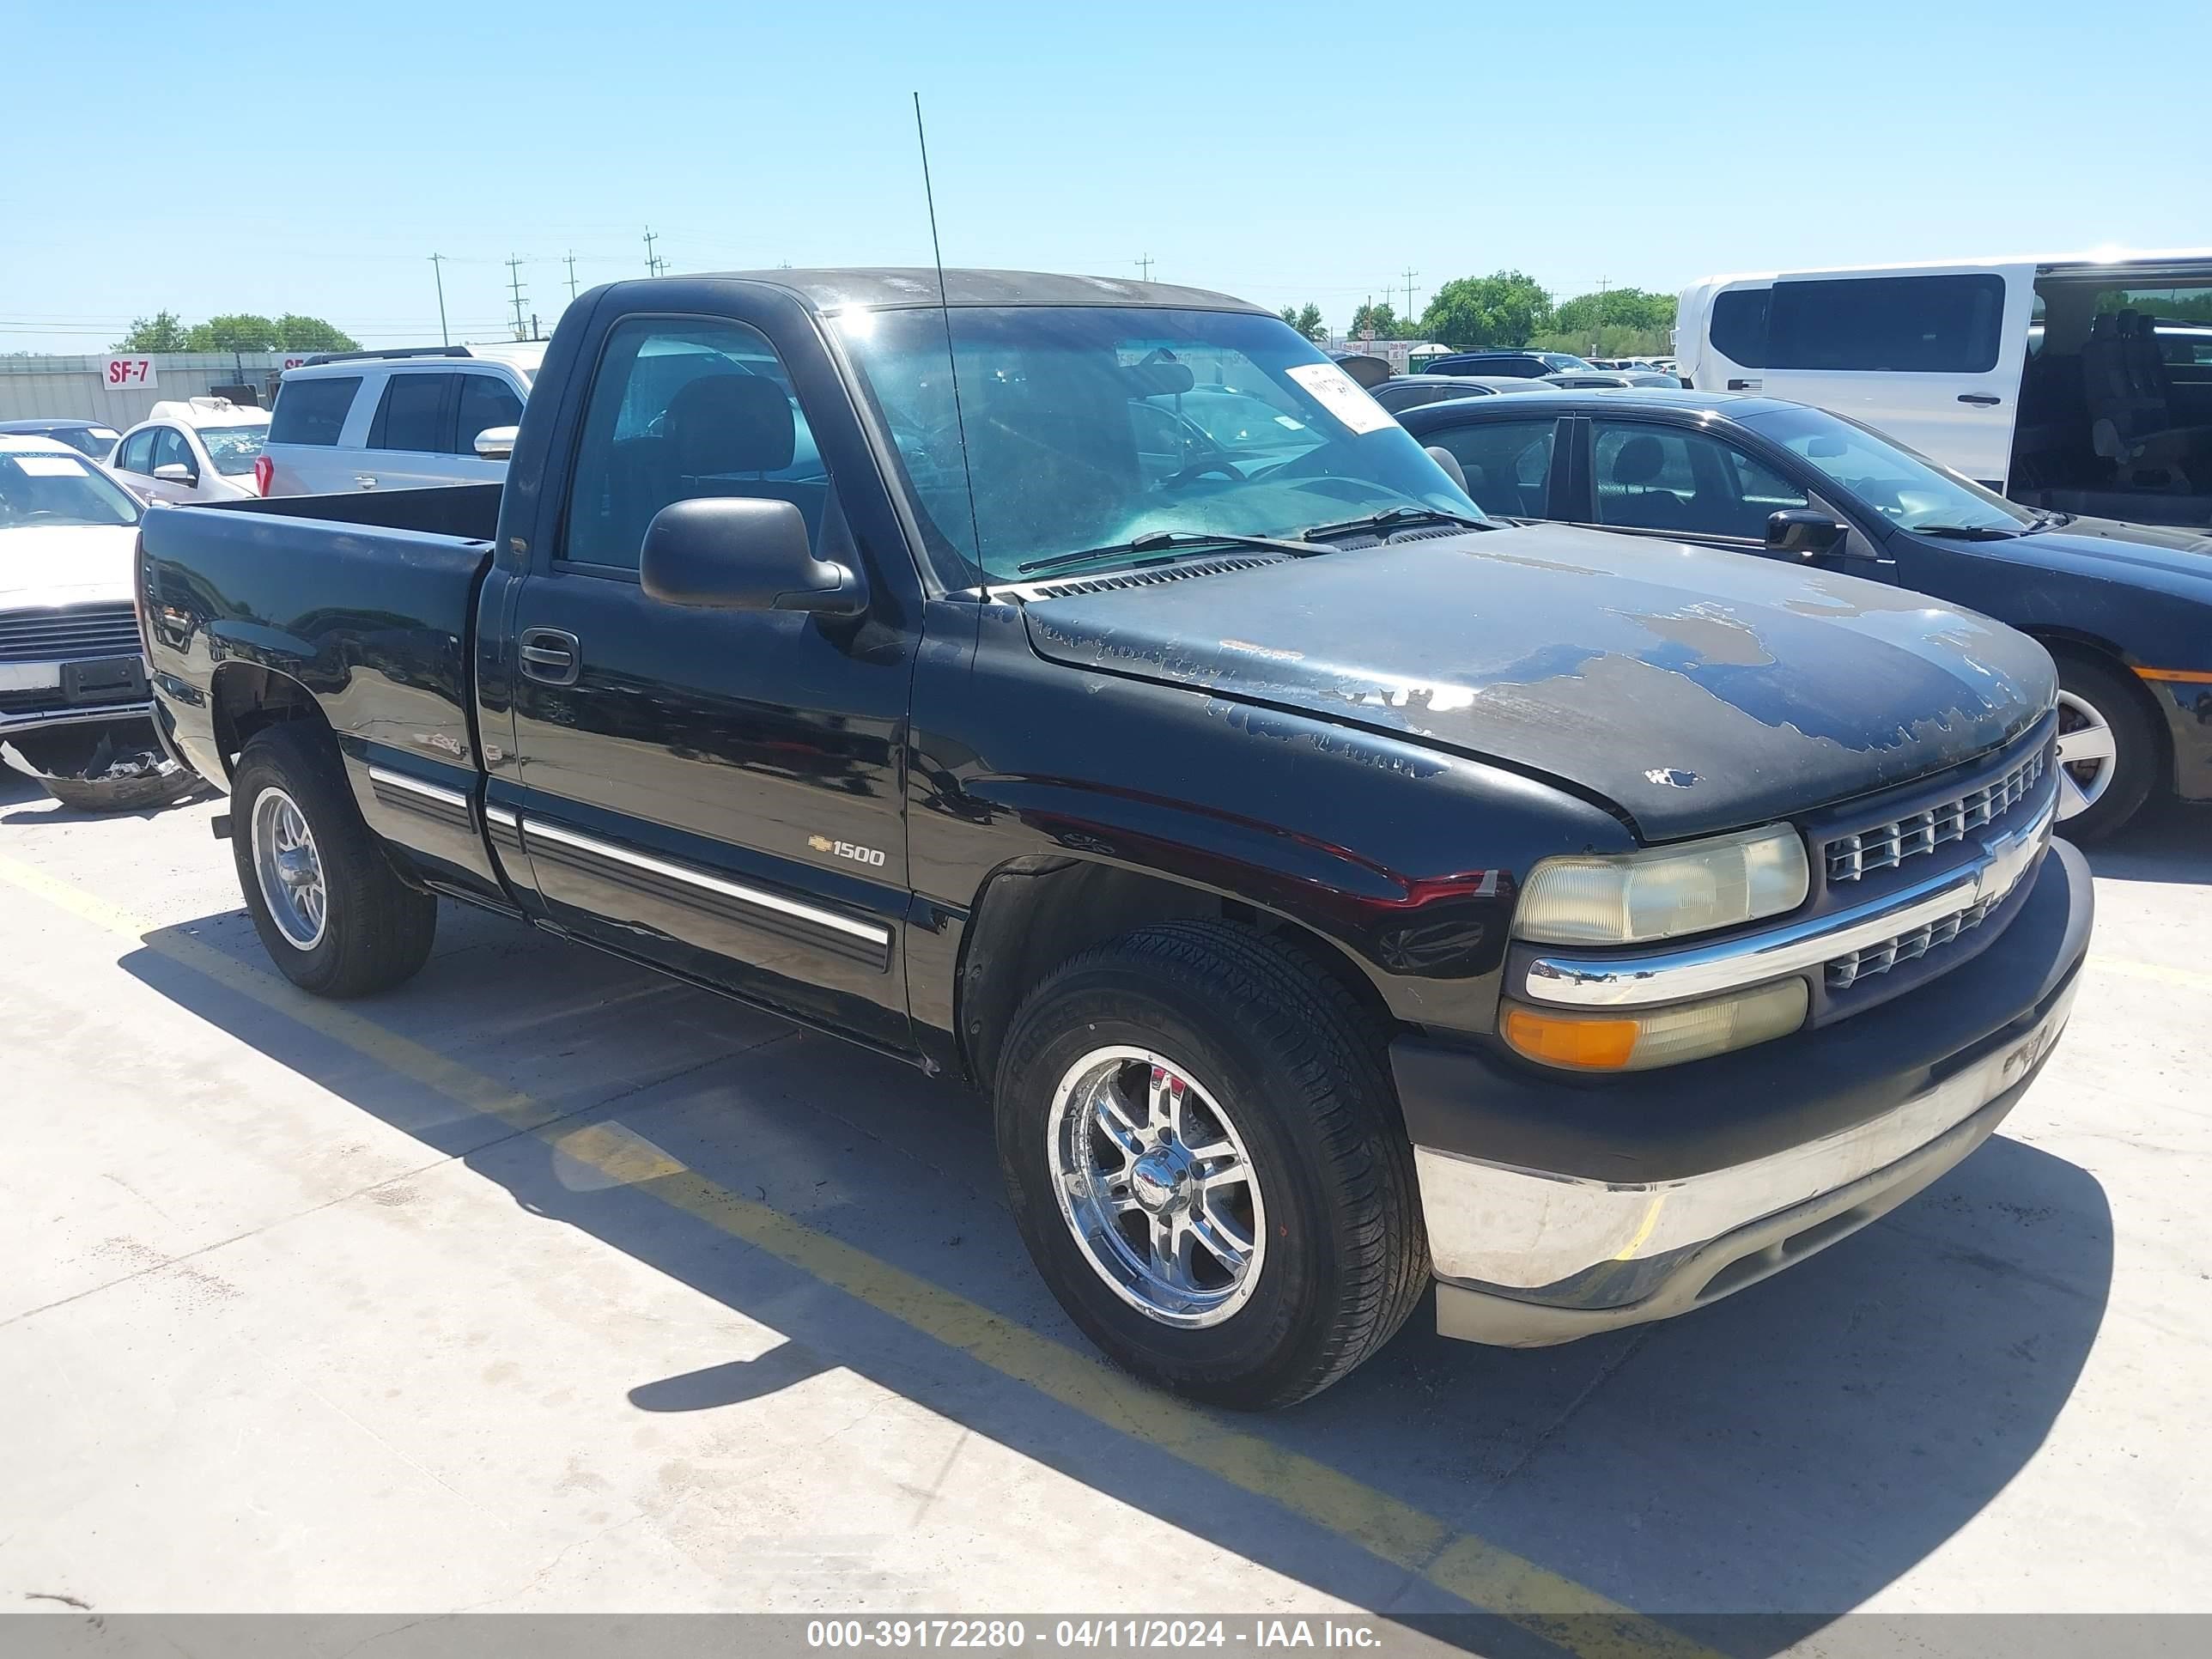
(1739, 325)
(678, 410)
(137, 455)
(1656, 478)
(487, 401)
(312, 411)
(412, 415)
(1507, 463)
(170, 449)
(1911, 325)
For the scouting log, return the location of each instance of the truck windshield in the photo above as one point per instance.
(55, 488)
(1091, 427)
(1908, 490)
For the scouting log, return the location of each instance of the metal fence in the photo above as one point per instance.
(77, 388)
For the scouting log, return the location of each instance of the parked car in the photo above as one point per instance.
(1412, 391)
(92, 438)
(397, 420)
(193, 449)
(2124, 609)
(1519, 364)
(74, 708)
(1328, 889)
(1580, 380)
(2064, 382)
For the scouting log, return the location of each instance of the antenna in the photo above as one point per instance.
(951, 361)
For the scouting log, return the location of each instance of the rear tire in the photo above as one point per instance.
(332, 913)
(1260, 1059)
(2101, 718)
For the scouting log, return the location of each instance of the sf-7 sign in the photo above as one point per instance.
(124, 371)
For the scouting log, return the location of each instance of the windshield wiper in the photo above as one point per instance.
(1168, 545)
(1396, 518)
(1967, 533)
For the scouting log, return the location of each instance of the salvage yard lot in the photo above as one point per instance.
(544, 1283)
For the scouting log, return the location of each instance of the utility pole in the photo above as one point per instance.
(1597, 329)
(572, 275)
(437, 270)
(1410, 274)
(514, 288)
(653, 262)
(1143, 262)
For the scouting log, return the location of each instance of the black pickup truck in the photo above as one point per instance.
(1085, 688)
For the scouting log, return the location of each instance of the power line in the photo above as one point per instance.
(514, 288)
(653, 263)
(1143, 262)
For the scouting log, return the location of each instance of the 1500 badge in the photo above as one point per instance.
(845, 849)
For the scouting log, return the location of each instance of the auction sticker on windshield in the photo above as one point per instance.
(1340, 394)
(49, 466)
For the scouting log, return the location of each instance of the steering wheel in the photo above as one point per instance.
(37, 513)
(1199, 468)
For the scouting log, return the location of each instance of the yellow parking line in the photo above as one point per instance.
(1495, 1580)
(2192, 979)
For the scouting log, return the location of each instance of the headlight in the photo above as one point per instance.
(1631, 898)
(1663, 1036)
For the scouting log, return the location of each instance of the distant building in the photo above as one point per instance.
(1404, 357)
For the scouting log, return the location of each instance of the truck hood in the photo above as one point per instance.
(1697, 690)
(46, 565)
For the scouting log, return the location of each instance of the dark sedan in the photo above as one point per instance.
(1404, 392)
(2125, 610)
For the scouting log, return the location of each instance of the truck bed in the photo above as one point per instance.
(468, 511)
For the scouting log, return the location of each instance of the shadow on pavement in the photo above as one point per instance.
(1787, 1452)
(2167, 841)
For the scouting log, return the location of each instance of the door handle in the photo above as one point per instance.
(366, 481)
(551, 655)
(1744, 385)
(1979, 399)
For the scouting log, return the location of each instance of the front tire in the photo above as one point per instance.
(2108, 750)
(333, 914)
(1206, 1160)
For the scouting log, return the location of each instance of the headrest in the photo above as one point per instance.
(2100, 326)
(731, 423)
(1639, 460)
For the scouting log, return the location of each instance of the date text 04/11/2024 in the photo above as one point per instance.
(999, 1635)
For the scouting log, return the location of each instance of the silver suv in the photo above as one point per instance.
(397, 420)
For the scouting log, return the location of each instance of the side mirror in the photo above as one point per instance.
(175, 472)
(736, 553)
(1803, 532)
(496, 443)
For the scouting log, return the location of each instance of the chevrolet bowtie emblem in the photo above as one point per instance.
(820, 843)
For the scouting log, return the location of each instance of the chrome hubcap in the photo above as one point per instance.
(2087, 755)
(1155, 1186)
(290, 869)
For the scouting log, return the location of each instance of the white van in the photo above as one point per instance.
(2082, 384)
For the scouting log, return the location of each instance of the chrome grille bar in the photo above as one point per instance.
(1885, 846)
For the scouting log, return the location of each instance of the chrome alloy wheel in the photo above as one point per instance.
(1155, 1185)
(2088, 756)
(289, 870)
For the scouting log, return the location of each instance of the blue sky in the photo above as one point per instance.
(311, 157)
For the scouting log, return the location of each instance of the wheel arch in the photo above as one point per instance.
(244, 698)
(2085, 646)
(1032, 914)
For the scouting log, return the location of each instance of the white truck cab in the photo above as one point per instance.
(2079, 383)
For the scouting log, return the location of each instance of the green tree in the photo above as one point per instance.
(1309, 322)
(1507, 309)
(1380, 318)
(298, 333)
(239, 332)
(1616, 307)
(162, 331)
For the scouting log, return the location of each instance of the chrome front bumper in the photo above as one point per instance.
(40, 719)
(1517, 1251)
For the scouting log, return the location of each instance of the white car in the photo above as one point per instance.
(406, 419)
(193, 449)
(70, 651)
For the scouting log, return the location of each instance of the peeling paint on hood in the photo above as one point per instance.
(1697, 690)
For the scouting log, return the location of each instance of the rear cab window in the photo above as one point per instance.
(312, 410)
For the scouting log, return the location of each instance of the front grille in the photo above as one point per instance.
(1846, 971)
(1885, 846)
(76, 635)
